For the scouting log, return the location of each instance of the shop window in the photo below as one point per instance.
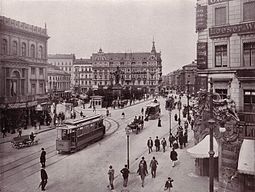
(221, 56)
(33, 88)
(32, 71)
(220, 16)
(41, 87)
(249, 54)
(4, 47)
(222, 92)
(33, 50)
(23, 49)
(14, 48)
(249, 100)
(40, 71)
(249, 11)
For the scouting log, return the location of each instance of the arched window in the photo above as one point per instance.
(33, 50)
(40, 52)
(23, 49)
(14, 48)
(4, 46)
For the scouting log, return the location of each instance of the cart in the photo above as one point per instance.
(23, 141)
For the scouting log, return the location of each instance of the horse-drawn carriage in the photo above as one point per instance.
(137, 125)
(23, 141)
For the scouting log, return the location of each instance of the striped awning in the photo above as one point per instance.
(246, 161)
(201, 150)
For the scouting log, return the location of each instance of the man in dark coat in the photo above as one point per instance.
(163, 143)
(150, 144)
(171, 139)
(168, 184)
(157, 144)
(173, 156)
(153, 166)
(125, 173)
(44, 178)
(43, 158)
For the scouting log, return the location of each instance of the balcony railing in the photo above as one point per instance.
(248, 117)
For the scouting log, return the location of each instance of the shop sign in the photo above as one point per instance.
(230, 29)
(202, 55)
(201, 17)
(211, 2)
(17, 105)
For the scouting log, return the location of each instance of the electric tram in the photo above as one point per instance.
(75, 134)
(152, 110)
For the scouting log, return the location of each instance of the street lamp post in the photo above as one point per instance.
(179, 105)
(127, 133)
(211, 152)
(188, 84)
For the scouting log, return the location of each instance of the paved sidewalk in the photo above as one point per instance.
(27, 131)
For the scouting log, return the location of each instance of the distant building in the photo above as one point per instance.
(59, 82)
(64, 62)
(83, 75)
(140, 69)
(23, 58)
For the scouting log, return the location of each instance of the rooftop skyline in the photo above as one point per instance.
(82, 27)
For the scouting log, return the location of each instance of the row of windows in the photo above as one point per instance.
(124, 76)
(59, 78)
(82, 69)
(23, 51)
(221, 55)
(84, 82)
(248, 13)
(58, 63)
(68, 69)
(126, 70)
(138, 82)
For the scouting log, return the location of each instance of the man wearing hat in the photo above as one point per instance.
(168, 184)
(111, 177)
(44, 178)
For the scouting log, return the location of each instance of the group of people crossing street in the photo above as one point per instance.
(157, 144)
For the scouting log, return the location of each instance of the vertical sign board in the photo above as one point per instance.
(202, 55)
(201, 18)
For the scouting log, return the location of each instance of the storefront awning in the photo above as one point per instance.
(201, 149)
(246, 162)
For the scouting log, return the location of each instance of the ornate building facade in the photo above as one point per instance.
(226, 55)
(83, 75)
(140, 69)
(23, 70)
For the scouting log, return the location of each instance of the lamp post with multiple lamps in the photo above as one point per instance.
(211, 122)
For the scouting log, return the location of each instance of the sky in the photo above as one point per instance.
(82, 27)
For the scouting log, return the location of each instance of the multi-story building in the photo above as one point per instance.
(83, 75)
(23, 57)
(64, 62)
(226, 55)
(58, 82)
(139, 69)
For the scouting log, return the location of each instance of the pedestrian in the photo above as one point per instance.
(173, 156)
(107, 112)
(123, 115)
(142, 171)
(20, 132)
(4, 132)
(192, 124)
(163, 143)
(157, 144)
(153, 166)
(150, 144)
(171, 139)
(81, 114)
(185, 138)
(44, 178)
(32, 136)
(142, 110)
(145, 163)
(43, 157)
(186, 125)
(168, 184)
(125, 173)
(159, 122)
(176, 117)
(111, 177)
(181, 140)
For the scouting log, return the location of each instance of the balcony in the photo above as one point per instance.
(248, 117)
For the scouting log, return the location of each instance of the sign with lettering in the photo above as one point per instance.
(230, 29)
(201, 17)
(211, 2)
(202, 55)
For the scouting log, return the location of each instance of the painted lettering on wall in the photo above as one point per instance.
(229, 30)
(211, 2)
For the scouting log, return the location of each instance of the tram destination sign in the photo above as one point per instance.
(230, 29)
